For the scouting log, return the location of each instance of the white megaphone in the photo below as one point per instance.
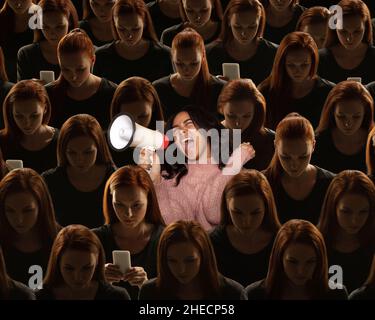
(124, 132)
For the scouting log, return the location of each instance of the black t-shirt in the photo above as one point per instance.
(257, 291)
(98, 105)
(19, 291)
(310, 106)
(276, 34)
(330, 70)
(18, 263)
(257, 68)
(172, 102)
(10, 48)
(105, 292)
(161, 21)
(39, 160)
(85, 25)
(4, 89)
(241, 267)
(156, 63)
(145, 259)
(327, 156)
(363, 293)
(30, 61)
(168, 34)
(264, 149)
(355, 265)
(229, 290)
(73, 206)
(308, 208)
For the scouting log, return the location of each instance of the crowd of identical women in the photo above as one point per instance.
(294, 218)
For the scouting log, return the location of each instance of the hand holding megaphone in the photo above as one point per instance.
(149, 160)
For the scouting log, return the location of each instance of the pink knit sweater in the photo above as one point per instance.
(197, 196)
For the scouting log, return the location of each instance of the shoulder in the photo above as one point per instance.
(216, 235)
(337, 294)
(149, 290)
(175, 28)
(231, 289)
(52, 174)
(21, 292)
(103, 231)
(108, 85)
(323, 83)
(215, 46)
(217, 83)
(84, 24)
(298, 9)
(107, 291)
(162, 82)
(160, 48)
(44, 294)
(267, 45)
(29, 49)
(363, 293)
(106, 49)
(256, 290)
(324, 174)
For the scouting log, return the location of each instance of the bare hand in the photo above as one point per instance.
(136, 276)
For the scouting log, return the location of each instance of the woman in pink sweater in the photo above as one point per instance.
(191, 188)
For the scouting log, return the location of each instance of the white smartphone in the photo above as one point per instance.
(121, 258)
(14, 164)
(231, 71)
(47, 76)
(358, 79)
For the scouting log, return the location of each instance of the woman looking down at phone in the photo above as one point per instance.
(133, 222)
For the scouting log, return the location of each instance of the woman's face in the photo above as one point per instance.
(187, 137)
(247, 212)
(188, 63)
(351, 35)
(238, 114)
(102, 9)
(55, 26)
(352, 212)
(244, 26)
(28, 115)
(81, 153)
(280, 5)
(76, 68)
(294, 155)
(77, 268)
(319, 32)
(19, 6)
(130, 205)
(299, 262)
(140, 110)
(298, 65)
(21, 210)
(130, 28)
(349, 116)
(198, 12)
(184, 261)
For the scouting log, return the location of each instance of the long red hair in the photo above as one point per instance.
(187, 231)
(131, 176)
(277, 86)
(187, 39)
(353, 182)
(136, 89)
(370, 153)
(302, 232)
(313, 15)
(293, 126)
(3, 73)
(236, 6)
(346, 90)
(78, 126)
(240, 90)
(23, 90)
(123, 7)
(371, 277)
(5, 281)
(73, 237)
(249, 182)
(27, 180)
(66, 7)
(350, 8)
